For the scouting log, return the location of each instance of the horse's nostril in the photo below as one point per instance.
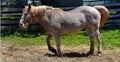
(20, 24)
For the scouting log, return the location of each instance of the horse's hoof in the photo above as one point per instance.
(90, 53)
(99, 54)
(53, 50)
(59, 55)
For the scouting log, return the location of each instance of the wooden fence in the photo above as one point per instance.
(114, 19)
(10, 17)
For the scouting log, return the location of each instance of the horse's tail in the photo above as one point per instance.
(104, 14)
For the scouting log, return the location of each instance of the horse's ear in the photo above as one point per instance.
(49, 8)
(32, 5)
(29, 6)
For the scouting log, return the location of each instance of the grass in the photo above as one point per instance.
(113, 12)
(9, 18)
(110, 38)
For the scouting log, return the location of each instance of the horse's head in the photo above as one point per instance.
(37, 13)
(26, 18)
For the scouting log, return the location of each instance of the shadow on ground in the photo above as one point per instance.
(70, 54)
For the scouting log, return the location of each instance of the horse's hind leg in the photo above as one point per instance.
(98, 37)
(49, 45)
(91, 36)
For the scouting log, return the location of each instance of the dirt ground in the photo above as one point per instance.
(12, 53)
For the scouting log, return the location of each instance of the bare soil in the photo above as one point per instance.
(13, 53)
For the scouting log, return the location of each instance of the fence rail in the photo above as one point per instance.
(114, 19)
(10, 17)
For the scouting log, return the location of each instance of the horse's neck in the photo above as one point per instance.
(37, 14)
(34, 11)
(44, 16)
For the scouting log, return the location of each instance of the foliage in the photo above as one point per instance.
(8, 2)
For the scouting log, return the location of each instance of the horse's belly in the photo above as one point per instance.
(70, 31)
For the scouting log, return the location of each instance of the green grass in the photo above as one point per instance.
(110, 38)
(113, 12)
(9, 18)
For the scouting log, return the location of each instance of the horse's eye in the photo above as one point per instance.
(26, 13)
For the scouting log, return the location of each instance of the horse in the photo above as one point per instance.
(57, 22)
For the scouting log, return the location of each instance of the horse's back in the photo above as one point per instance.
(92, 15)
(88, 10)
(85, 8)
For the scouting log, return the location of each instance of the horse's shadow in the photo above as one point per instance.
(70, 54)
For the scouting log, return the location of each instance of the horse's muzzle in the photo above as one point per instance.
(23, 26)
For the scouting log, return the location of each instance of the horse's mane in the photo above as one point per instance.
(39, 11)
(57, 9)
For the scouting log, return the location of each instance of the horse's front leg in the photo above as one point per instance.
(49, 45)
(91, 36)
(57, 40)
(91, 51)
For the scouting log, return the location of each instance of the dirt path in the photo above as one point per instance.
(11, 53)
